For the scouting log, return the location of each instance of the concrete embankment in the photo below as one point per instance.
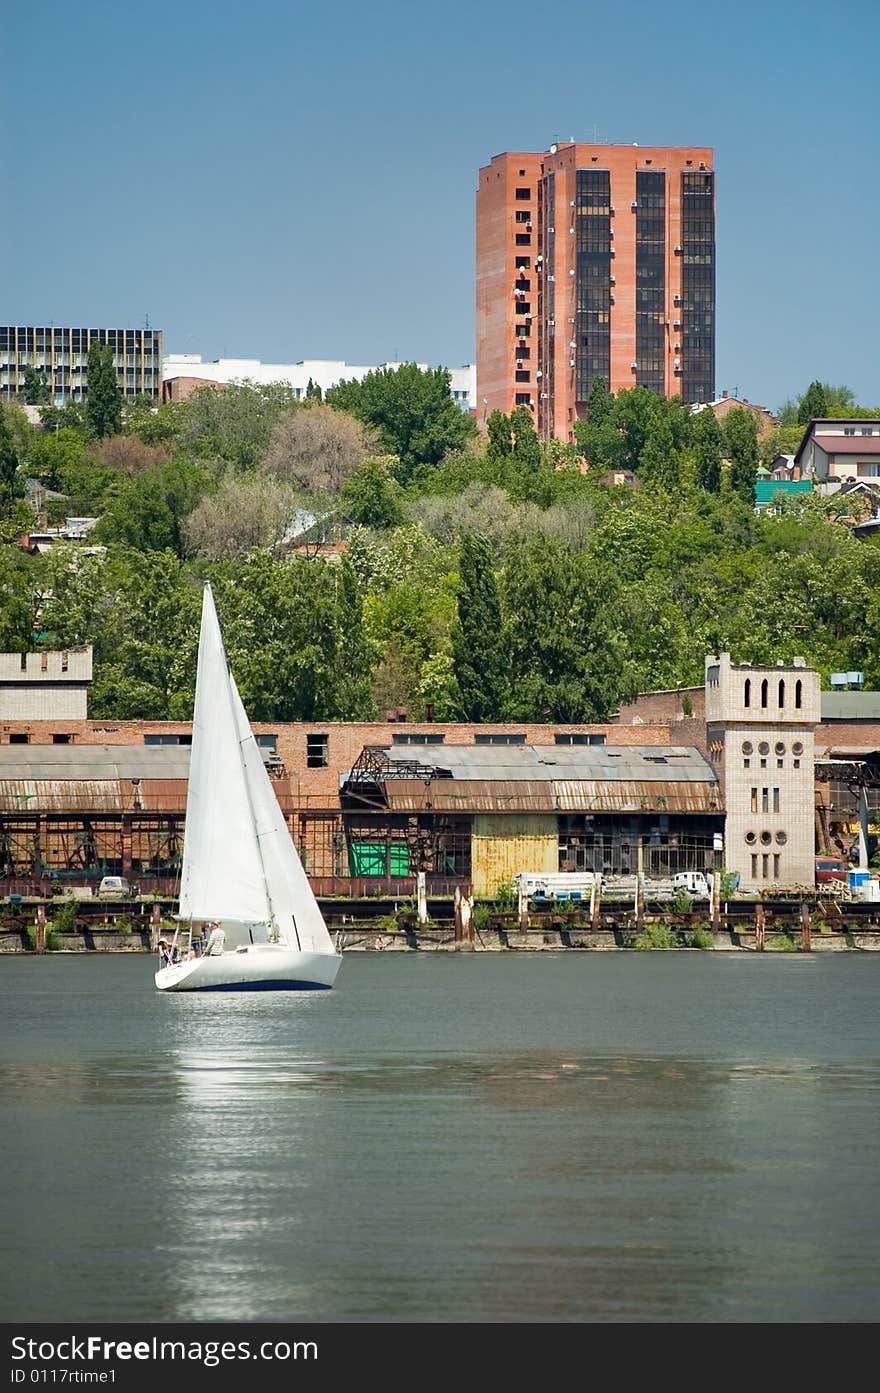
(441, 939)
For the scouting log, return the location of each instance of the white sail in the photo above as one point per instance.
(295, 909)
(222, 876)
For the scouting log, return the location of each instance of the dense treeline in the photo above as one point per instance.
(486, 578)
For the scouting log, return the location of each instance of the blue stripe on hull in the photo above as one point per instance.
(264, 987)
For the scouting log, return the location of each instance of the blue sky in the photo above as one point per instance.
(281, 180)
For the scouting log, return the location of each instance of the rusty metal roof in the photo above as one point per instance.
(538, 763)
(94, 762)
(551, 795)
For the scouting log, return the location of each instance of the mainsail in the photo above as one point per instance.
(222, 875)
(240, 865)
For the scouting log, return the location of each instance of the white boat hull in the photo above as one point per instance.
(260, 967)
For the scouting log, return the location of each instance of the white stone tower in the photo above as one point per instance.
(760, 725)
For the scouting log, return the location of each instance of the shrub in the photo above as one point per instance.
(700, 938)
(64, 916)
(480, 917)
(657, 936)
(782, 943)
(506, 895)
(682, 904)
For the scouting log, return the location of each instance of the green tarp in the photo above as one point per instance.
(368, 858)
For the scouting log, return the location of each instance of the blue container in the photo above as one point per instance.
(857, 878)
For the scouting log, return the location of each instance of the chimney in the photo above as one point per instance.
(724, 395)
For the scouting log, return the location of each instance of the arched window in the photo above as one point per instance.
(781, 693)
(764, 690)
(798, 693)
(747, 698)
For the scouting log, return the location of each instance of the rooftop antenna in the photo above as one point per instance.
(146, 321)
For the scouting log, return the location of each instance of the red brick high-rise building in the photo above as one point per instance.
(594, 260)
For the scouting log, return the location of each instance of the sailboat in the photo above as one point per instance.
(247, 919)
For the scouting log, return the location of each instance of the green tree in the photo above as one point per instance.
(354, 698)
(478, 645)
(498, 431)
(371, 498)
(411, 408)
(104, 399)
(741, 441)
(706, 439)
(813, 404)
(232, 424)
(36, 390)
(150, 509)
(8, 460)
(526, 452)
(660, 462)
(313, 391)
(600, 402)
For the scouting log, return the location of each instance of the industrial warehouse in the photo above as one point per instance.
(743, 773)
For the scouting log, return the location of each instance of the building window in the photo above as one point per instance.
(499, 739)
(522, 399)
(765, 800)
(867, 430)
(781, 838)
(779, 747)
(523, 215)
(267, 742)
(780, 763)
(798, 694)
(168, 739)
(523, 239)
(412, 737)
(317, 751)
(747, 692)
(754, 800)
(62, 739)
(564, 738)
(765, 688)
(765, 866)
(849, 430)
(776, 800)
(796, 763)
(19, 738)
(781, 693)
(523, 193)
(775, 865)
(747, 747)
(522, 375)
(747, 764)
(750, 838)
(797, 748)
(754, 868)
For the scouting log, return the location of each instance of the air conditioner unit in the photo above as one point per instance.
(634, 206)
(676, 323)
(634, 367)
(611, 280)
(611, 212)
(539, 373)
(571, 273)
(678, 251)
(571, 362)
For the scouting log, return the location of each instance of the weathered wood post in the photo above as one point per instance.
(467, 924)
(716, 901)
(422, 897)
(523, 904)
(40, 933)
(759, 927)
(456, 910)
(806, 944)
(640, 902)
(155, 927)
(595, 899)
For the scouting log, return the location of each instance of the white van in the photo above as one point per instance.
(696, 883)
(114, 887)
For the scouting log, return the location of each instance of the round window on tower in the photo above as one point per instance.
(750, 838)
(782, 838)
(747, 747)
(766, 839)
(763, 748)
(779, 747)
(797, 748)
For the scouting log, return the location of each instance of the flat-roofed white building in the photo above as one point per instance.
(183, 373)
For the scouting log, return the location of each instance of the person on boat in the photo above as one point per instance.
(216, 939)
(166, 952)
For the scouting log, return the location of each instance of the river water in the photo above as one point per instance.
(593, 1137)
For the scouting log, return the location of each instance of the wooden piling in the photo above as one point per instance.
(40, 934)
(806, 925)
(759, 927)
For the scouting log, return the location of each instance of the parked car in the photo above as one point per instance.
(830, 868)
(114, 887)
